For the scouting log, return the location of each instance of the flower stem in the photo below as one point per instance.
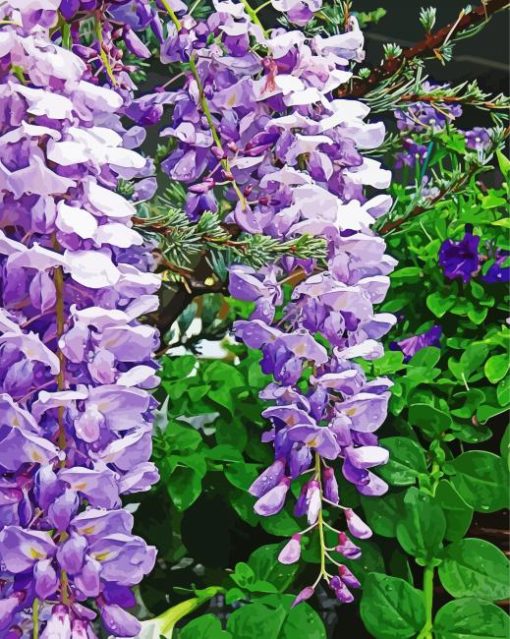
(254, 17)
(205, 106)
(320, 521)
(35, 619)
(172, 14)
(102, 53)
(428, 601)
(217, 140)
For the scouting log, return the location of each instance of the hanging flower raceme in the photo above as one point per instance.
(265, 127)
(76, 365)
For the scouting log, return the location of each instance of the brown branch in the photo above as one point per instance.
(450, 99)
(418, 210)
(430, 45)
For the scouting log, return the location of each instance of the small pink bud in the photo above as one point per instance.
(305, 594)
(291, 552)
(356, 525)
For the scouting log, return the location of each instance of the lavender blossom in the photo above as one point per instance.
(76, 414)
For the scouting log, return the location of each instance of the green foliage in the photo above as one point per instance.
(391, 608)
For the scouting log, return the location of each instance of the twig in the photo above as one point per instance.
(429, 45)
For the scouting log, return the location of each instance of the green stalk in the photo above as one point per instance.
(208, 115)
(253, 15)
(205, 106)
(428, 602)
(35, 619)
(320, 521)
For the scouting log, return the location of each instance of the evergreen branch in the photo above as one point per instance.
(456, 184)
(432, 45)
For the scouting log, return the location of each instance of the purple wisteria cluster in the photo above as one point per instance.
(75, 364)
(260, 125)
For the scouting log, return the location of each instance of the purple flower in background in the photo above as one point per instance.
(411, 155)
(411, 345)
(460, 260)
(498, 273)
(478, 139)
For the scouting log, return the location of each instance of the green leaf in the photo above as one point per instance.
(265, 565)
(282, 524)
(406, 275)
(504, 446)
(457, 512)
(391, 608)
(471, 619)
(477, 315)
(273, 618)
(382, 513)
(503, 391)
(439, 304)
(182, 439)
(481, 480)
(390, 362)
(496, 367)
(184, 487)
(504, 163)
(421, 531)
(486, 412)
(406, 462)
(475, 568)
(302, 622)
(428, 357)
(242, 475)
(243, 575)
(254, 621)
(204, 627)
(177, 367)
(431, 420)
(473, 358)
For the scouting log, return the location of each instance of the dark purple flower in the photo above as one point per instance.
(460, 259)
(411, 345)
(498, 273)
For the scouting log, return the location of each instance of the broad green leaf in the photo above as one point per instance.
(473, 358)
(475, 568)
(302, 622)
(428, 357)
(256, 621)
(503, 391)
(391, 608)
(265, 565)
(204, 627)
(471, 619)
(504, 163)
(371, 560)
(282, 524)
(382, 513)
(458, 513)
(273, 618)
(421, 530)
(184, 487)
(496, 367)
(407, 460)
(481, 480)
(242, 475)
(430, 420)
(504, 446)
(440, 304)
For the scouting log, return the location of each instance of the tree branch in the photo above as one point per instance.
(431, 44)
